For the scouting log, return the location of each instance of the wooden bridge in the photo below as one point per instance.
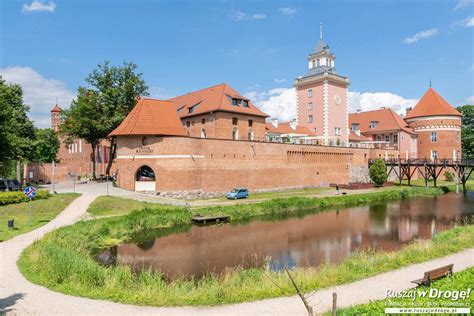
(429, 169)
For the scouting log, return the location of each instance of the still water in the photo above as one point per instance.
(307, 240)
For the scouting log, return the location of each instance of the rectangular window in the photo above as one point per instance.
(434, 137)
(310, 93)
(337, 131)
(246, 103)
(234, 121)
(434, 154)
(379, 138)
(203, 121)
(458, 137)
(310, 105)
(188, 123)
(355, 127)
(395, 138)
(310, 119)
(373, 124)
(250, 123)
(235, 102)
(387, 138)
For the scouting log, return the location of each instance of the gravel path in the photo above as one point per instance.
(20, 297)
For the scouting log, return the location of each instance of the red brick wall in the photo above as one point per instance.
(448, 137)
(219, 125)
(220, 165)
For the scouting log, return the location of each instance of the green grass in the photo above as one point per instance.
(112, 205)
(460, 281)
(450, 184)
(43, 211)
(64, 260)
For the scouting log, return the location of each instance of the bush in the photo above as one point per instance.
(378, 172)
(18, 196)
(449, 176)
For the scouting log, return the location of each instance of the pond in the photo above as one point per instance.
(309, 240)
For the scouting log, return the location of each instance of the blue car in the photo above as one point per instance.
(238, 194)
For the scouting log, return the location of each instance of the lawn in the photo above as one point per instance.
(460, 281)
(439, 183)
(43, 211)
(112, 205)
(64, 260)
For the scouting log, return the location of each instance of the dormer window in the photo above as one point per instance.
(236, 102)
(192, 108)
(355, 126)
(373, 124)
(246, 103)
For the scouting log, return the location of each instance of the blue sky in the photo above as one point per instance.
(389, 49)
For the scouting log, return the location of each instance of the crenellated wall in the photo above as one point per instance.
(216, 165)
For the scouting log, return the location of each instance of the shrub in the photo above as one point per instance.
(449, 176)
(378, 172)
(18, 196)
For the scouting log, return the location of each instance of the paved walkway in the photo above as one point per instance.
(20, 297)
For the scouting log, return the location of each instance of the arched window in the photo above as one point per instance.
(235, 133)
(203, 133)
(145, 173)
(250, 135)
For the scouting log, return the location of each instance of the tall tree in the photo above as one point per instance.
(85, 119)
(46, 145)
(118, 88)
(18, 130)
(467, 131)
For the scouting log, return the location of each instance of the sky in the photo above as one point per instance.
(388, 49)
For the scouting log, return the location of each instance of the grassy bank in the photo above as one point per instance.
(64, 260)
(460, 281)
(43, 211)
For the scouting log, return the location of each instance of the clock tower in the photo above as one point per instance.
(321, 97)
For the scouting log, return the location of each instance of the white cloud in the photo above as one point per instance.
(39, 93)
(421, 35)
(287, 11)
(463, 4)
(375, 100)
(241, 16)
(469, 22)
(279, 80)
(281, 102)
(37, 5)
(470, 100)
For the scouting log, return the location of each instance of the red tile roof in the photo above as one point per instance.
(432, 104)
(216, 98)
(387, 120)
(285, 128)
(151, 117)
(56, 108)
(358, 138)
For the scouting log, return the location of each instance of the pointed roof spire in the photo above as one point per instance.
(430, 81)
(321, 30)
(432, 104)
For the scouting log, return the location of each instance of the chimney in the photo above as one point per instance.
(382, 108)
(359, 110)
(293, 124)
(408, 111)
(275, 122)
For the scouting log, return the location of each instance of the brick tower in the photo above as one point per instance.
(438, 126)
(321, 97)
(55, 117)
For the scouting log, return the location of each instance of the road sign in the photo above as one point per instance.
(30, 192)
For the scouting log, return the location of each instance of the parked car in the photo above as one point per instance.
(238, 193)
(9, 185)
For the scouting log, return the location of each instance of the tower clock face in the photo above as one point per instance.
(337, 99)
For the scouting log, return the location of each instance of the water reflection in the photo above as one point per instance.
(307, 241)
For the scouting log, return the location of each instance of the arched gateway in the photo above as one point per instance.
(145, 179)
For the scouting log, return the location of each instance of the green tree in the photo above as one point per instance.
(85, 119)
(378, 172)
(17, 129)
(118, 88)
(467, 130)
(46, 145)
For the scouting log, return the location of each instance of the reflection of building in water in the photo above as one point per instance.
(307, 241)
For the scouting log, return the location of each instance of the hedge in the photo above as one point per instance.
(18, 196)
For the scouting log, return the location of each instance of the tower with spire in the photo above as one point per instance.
(321, 97)
(55, 117)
